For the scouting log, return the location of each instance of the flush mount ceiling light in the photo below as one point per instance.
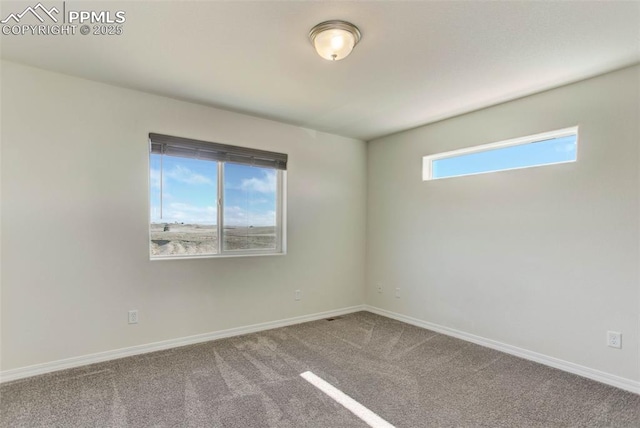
(334, 40)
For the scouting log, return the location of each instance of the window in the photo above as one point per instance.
(535, 150)
(209, 199)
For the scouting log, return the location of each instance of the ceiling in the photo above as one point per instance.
(418, 62)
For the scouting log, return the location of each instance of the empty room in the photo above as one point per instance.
(381, 214)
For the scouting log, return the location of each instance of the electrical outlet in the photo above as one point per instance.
(133, 316)
(397, 292)
(380, 288)
(297, 295)
(614, 339)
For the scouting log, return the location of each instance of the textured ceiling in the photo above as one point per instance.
(418, 62)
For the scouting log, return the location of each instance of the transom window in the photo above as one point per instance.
(535, 150)
(210, 199)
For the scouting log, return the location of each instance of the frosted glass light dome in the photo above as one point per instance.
(334, 40)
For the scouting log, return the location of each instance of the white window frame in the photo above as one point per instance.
(427, 161)
(281, 220)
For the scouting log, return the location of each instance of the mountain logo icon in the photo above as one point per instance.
(38, 11)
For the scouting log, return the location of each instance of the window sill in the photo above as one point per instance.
(216, 256)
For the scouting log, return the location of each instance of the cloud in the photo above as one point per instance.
(266, 184)
(185, 175)
(193, 214)
(154, 178)
(185, 213)
(565, 148)
(254, 201)
(237, 216)
(249, 215)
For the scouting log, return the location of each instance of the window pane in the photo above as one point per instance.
(184, 199)
(556, 150)
(250, 199)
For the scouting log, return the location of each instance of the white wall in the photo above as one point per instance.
(546, 259)
(75, 238)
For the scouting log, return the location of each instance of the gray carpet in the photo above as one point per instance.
(409, 376)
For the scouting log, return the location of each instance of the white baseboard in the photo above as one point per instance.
(38, 369)
(597, 375)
